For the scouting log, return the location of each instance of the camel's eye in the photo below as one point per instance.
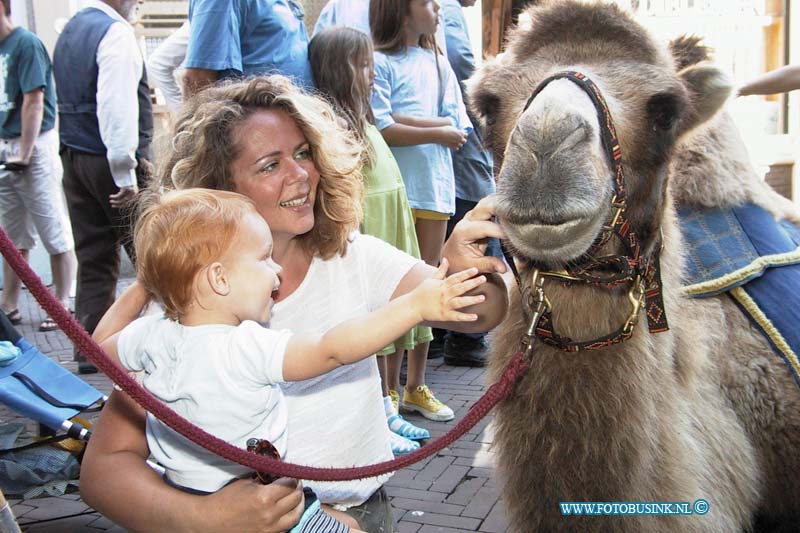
(663, 110)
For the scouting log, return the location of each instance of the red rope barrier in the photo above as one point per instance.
(83, 342)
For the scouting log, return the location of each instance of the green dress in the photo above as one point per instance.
(387, 216)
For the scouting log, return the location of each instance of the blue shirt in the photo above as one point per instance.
(472, 164)
(24, 67)
(412, 83)
(350, 13)
(249, 37)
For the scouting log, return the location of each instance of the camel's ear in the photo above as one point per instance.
(486, 105)
(708, 89)
(483, 100)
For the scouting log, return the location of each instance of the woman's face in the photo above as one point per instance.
(276, 170)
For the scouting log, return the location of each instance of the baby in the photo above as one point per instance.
(206, 256)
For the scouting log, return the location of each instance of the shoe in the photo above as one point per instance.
(404, 428)
(401, 445)
(14, 317)
(85, 367)
(395, 396)
(48, 324)
(436, 346)
(422, 401)
(462, 350)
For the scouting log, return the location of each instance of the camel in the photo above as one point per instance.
(704, 410)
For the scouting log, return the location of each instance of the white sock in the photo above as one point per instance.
(388, 406)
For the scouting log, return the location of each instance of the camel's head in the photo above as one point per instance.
(555, 181)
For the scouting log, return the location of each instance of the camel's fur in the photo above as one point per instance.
(705, 410)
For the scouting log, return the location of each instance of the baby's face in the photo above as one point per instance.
(252, 272)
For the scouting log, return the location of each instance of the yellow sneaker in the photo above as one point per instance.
(425, 403)
(395, 396)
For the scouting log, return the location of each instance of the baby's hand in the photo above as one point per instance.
(439, 299)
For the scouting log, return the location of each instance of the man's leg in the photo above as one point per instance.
(87, 185)
(63, 266)
(18, 225)
(44, 200)
(11, 289)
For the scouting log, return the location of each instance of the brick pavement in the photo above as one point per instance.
(453, 491)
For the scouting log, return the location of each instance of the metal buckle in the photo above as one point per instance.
(558, 274)
(537, 303)
(619, 209)
(636, 298)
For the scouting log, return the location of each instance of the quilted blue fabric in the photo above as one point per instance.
(720, 242)
(745, 252)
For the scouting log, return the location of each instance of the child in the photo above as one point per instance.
(341, 62)
(419, 112)
(206, 257)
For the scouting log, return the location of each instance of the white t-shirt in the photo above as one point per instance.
(338, 420)
(222, 378)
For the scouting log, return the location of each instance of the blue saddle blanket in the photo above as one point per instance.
(745, 252)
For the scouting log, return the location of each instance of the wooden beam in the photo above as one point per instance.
(496, 15)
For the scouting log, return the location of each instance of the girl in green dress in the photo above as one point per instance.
(341, 62)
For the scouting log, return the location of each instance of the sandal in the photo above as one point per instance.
(400, 426)
(48, 324)
(401, 445)
(15, 317)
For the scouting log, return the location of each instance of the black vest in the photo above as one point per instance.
(75, 71)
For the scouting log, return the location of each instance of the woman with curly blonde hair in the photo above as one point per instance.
(288, 152)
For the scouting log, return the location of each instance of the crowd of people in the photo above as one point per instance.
(310, 186)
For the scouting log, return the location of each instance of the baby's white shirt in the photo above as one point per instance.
(222, 378)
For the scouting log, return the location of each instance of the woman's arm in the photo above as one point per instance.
(163, 62)
(116, 480)
(422, 122)
(465, 249)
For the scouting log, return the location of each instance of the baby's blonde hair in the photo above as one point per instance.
(178, 234)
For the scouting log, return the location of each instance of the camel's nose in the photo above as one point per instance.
(550, 167)
(547, 131)
(560, 117)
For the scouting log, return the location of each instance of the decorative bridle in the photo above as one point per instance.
(642, 274)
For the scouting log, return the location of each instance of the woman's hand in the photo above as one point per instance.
(467, 244)
(247, 505)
